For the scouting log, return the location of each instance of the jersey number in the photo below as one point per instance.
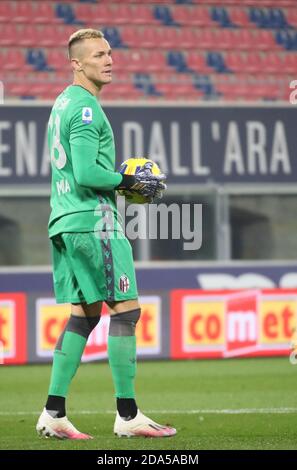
(57, 147)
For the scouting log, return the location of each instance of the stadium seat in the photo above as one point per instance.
(235, 61)
(36, 58)
(221, 16)
(84, 13)
(8, 35)
(178, 61)
(272, 63)
(239, 17)
(134, 60)
(188, 38)
(13, 59)
(44, 13)
(103, 14)
(197, 63)
(156, 62)
(23, 12)
(216, 60)
(169, 37)
(112, 35)
(121, 92)
(225, 38)
(51, 37)
(181, 15)
(57, 59)
(253, 63)
(245, 39)
(290, 63)
(121, 14)
(163, 14)
(144, 82)
(6, 12)
(149, 37)
(66, 13)
(265, 40)
(27, 36)
(206, 39)
(142, 14)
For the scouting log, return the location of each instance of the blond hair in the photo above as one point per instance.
(81, 34)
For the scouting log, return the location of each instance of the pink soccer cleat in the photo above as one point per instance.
(141, 425)
(60, 428)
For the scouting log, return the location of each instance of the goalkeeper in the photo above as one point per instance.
(90, 264)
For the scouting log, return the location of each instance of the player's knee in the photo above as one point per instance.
(123, 324)
(82, 325)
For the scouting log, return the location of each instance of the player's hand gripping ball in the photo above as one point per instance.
(147, 172)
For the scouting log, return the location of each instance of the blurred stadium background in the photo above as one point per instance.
(204, 89)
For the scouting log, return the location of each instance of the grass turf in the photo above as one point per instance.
(170, 392)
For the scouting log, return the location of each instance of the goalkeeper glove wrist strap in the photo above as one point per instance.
(127, 182)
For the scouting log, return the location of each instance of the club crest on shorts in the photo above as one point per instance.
(124, 283)
(87, 115)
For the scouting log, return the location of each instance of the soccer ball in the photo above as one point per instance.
(131, 167)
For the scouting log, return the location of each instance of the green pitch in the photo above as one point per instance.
(228, 404)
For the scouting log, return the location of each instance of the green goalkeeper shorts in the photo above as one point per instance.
(88, 267)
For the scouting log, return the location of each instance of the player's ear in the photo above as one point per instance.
(76, 65)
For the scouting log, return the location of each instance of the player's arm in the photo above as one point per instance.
(84, 144)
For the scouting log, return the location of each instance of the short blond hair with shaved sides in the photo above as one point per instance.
(77, 38)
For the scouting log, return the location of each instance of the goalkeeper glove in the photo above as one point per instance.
(144, 182)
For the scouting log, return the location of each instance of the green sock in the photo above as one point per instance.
(65, 363)
(122, 361)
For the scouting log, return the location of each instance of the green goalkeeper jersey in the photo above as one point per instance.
(82, 153)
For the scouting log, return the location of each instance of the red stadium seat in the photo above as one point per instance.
(14, 59)
(244, 39)
(8, 35)
(23, 12)
(149, 37)
(254, 63)
(239, 17)
(182, 15)
(206, 39)
(168, 37)
(235, 61)
(188, 38)
(156, 62)
(272, 63)
(197, 63)
(290, 62)
(6, 12)
(121, 14)
(103, 15)
(120, 92)
(130, 37)
(27, 36)
(292, 17)
(264, 40)
(58, 59)
(225, 38)
(49, 36)
(199, 16)
(142, 14)
(135, 60)
(44, 13)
